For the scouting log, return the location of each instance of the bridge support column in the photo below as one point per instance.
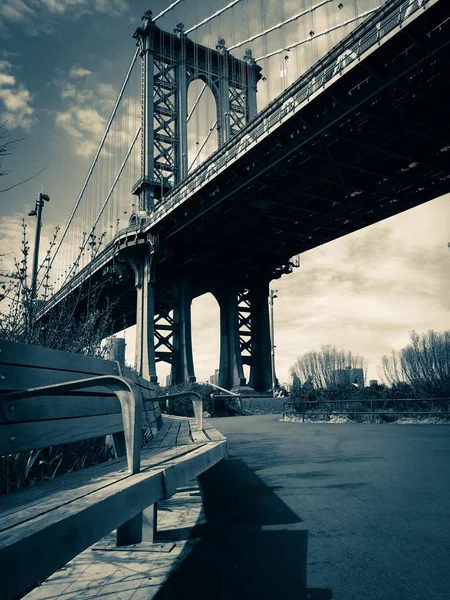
(261, 364)
(145, 286)
(183, 362)
(231, 372)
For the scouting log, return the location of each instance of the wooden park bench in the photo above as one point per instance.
(50, 397)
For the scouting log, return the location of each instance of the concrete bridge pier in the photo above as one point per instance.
(245, 338)
(183, 362)
(260, 362)
(143, 268)
(231, 370)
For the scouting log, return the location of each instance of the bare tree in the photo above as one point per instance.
(324, 365)
(62, 331)
(424, 364)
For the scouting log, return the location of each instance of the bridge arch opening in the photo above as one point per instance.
(202, 126)
(205, 319)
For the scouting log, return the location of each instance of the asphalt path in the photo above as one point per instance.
(320, 511)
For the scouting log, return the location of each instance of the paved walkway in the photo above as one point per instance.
(298, 511)
(312, 512)
(105, 572)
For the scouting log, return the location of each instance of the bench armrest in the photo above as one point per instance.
(128, 394)
(197, 403)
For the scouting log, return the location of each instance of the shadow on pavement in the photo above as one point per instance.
(244, 549)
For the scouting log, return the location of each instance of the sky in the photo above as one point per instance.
(61, 65)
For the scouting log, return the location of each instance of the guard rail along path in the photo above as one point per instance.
(49, 397)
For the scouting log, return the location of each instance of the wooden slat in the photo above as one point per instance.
(14, 353)
(214, 435)
(171, 438)
(184, 436)
(32, 499)
(18, 437)
(185, 468)
(198, 435)
(22, 378)
(42, 408)
(156, 441)
(22, 436)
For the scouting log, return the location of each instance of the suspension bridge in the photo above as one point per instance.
(199, 186)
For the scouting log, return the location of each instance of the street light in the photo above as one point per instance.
(273, 295)
(36, 212)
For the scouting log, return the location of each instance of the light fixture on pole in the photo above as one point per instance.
(273, 295)
(36, 212)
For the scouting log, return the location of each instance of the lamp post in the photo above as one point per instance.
(36, 212)
(273, 295)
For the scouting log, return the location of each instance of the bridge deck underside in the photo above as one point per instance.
(373, 144)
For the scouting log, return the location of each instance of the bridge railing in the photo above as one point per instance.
(102, 258)
(369, 34)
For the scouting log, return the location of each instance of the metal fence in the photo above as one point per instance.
(388, 407)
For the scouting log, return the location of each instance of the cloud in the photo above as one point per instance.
(38, 16)
(15, 100)
(77, 72)
(85, 112)
(87, 105)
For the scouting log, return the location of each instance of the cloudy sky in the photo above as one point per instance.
(61, 65)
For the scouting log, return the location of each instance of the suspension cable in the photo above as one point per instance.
(116, 179)
(94, 162)
(196, 102)
(216, 14)
(313, 37)
(274, 27)
(203, 144)
(166, 10)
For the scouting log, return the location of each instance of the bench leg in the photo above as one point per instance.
(150, 523)
(130, 532)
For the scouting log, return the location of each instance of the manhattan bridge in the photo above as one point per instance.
(227, 153)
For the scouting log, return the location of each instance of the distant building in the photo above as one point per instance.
(349, 376)
(214, 378)
(373, 382)
(168, 380)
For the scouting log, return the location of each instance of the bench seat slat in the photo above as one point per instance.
(170, 439)
(46, 499)
(198, 435)
(184, 435)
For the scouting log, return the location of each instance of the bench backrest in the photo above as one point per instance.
(44, 421)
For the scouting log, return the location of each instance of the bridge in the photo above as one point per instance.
(360, 136)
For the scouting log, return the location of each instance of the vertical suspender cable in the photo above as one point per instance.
(94, 162)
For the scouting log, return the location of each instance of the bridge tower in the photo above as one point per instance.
(169, 63)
